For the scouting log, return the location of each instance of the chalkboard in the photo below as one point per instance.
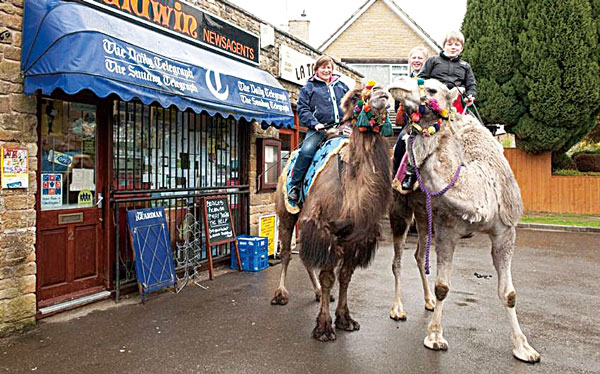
(219, 228)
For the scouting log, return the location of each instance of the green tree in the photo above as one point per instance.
(536, 64)
(560, 65)
(491, 28)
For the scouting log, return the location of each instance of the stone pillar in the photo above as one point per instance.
(18, 128)
(264, 202)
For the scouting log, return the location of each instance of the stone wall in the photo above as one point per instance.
(18, 123)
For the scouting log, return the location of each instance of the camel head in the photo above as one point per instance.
(425, 102)
(366, 108)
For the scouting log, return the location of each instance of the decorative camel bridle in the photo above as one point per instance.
(415, 118)
(363, 117)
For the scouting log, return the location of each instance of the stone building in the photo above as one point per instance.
(390, 34)
(105, 108)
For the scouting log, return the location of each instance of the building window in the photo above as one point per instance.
(269, 163)
(383, 74)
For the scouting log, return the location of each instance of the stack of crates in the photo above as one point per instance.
(254, 253)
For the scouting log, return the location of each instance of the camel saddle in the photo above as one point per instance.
(324, 154)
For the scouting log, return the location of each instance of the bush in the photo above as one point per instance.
(575, 173)
(587, 162)
(561, 161)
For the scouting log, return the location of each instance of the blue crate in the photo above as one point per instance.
(254, 253)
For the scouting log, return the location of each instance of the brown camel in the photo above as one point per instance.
(485, 198)
(339, 222)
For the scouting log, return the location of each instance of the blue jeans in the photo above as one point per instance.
(307, 151)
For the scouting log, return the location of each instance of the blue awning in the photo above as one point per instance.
(73, 47)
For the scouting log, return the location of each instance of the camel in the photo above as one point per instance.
(340, 218)
(484, 198)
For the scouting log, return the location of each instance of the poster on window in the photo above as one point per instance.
(52, 188)
(14, 167)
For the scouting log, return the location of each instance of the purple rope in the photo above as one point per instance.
(428, 198)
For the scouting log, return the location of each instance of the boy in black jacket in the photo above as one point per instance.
(449, 69)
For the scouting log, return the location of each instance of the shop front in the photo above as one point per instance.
(135, 111)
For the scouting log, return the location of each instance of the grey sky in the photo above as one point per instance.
(436, 17)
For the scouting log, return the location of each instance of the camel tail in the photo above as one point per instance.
(317, 245)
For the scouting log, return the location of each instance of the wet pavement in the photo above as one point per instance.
(232, 328)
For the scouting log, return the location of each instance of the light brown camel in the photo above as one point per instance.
(339, 221)
(485, 198)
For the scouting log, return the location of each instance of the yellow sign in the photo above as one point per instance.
(85, 197)
(267, 227)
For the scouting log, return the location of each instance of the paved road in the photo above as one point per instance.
(232, 328)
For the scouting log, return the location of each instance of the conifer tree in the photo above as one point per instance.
(560, 65)
(536, 65)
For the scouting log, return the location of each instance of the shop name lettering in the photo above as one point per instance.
(265, 94)
(168, 75)
(170, 14)
(141, 216)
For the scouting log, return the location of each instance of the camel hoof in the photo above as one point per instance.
(397, 314)
(527, 354)
(430, 305)
(281, 297)
(324, 335)
(436, 342)
(347, 324)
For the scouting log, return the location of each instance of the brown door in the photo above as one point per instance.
(70, 254)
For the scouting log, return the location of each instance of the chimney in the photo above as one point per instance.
(299, 28)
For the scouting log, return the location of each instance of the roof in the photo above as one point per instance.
(396, 9)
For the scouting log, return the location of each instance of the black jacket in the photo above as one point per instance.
(319, 102)
(450, 71)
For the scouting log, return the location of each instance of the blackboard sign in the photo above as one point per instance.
(218, 226)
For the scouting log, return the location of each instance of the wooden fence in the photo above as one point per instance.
(543, 192)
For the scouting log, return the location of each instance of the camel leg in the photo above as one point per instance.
(420, 258)
(445, 251)
(286, 228)
(324, 331)
(342, 313)
(400, 225)
(312, 274)
(503, 245)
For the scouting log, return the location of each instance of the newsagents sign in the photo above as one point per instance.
(193, 24)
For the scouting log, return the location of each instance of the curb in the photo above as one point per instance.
(542, 226)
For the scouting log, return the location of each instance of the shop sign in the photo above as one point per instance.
(14, 167)
(124, 62)
(296, 67)
(267, 227)
(184, 20)
(52, 188)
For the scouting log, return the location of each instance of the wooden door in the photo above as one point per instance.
(70, 253)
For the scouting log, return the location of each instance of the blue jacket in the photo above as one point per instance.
(319, 102)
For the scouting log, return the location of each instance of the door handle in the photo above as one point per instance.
(100, 205)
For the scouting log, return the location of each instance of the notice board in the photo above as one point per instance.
(218, 226)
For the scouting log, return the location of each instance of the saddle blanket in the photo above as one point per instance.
(323, 155)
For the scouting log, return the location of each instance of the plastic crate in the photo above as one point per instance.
(254, 253)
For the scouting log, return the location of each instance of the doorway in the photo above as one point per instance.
(70, 202)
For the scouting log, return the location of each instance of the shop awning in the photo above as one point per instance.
(73, 47)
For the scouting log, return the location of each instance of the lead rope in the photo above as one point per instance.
(428, 198)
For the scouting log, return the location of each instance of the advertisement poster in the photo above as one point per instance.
(267, 227)
(15, 167)
(52, 187)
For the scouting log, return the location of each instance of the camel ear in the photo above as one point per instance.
(452, 95)
(401, 86)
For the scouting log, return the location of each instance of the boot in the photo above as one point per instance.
(409, 181)
(294, 195)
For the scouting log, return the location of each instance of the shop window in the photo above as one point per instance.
(68, 139)
(269, 163)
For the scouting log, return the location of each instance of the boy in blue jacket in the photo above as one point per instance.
(318, 105)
